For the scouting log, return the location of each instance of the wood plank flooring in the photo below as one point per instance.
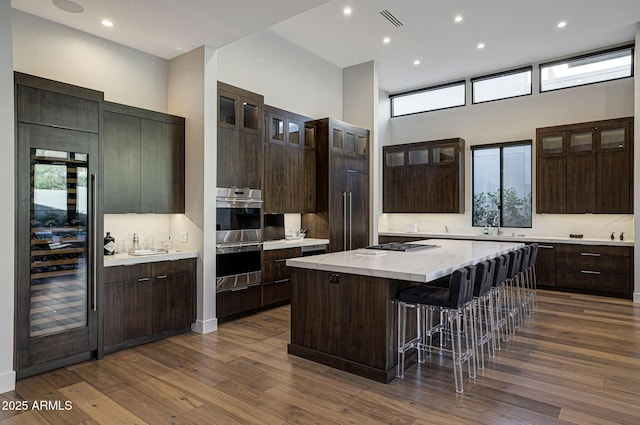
(577, 361)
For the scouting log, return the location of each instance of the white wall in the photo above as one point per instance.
(192, 94)
(511, 120)
(7, 209)
(57, 52)
(287, 76)
(360, 107)
(636, 174)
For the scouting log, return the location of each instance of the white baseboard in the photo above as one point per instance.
(7, 381)
(204, 327)
(636, 297)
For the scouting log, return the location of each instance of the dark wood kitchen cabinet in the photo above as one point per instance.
(599, 269)
(144, 161)
(58, 312)
(424, 177)
(127, 299)
(342, 185)
(276, 276)
(546, 265)
(235, 302)
(240, 127)
(148, 301)
(309, 170)
(286, 162)
(585, 168)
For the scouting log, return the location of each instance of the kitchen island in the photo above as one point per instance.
(342, 310)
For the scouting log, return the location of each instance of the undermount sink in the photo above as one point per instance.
(149, 252)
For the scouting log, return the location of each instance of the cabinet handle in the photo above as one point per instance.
(350, 220)
(162, 276)
(93, 244)
(143, 279)
(280, 260)
(545, 246)
(589, 272)
(282, 280)
(589, 254)
(344, 218)
(351, 171)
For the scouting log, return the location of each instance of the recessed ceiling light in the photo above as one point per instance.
(416, 62)
(458, 18)
(480, 45)
(347, 11)
(386, 40)
(107, 23)
(68, 6)
(562, 24)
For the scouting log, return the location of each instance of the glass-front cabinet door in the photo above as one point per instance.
(581, 141)
(614, 138)
(59, 244)
(58, 256)
(552, 144)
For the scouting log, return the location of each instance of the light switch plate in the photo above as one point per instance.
(184, 236)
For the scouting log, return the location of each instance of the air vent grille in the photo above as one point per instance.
(389, 17)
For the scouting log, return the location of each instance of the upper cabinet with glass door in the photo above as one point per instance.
(239, 147)
(586, 167)
(285, 127)
(239, 109)
(614, 186)
(424, 177)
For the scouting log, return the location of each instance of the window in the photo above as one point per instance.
(431, 99)
(502, 185)
(587, 69)
(502, 86)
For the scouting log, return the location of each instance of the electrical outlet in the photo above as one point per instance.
(184, 236)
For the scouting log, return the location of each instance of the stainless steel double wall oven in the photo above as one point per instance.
(238, 238)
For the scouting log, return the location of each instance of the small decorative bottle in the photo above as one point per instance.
(109, 244)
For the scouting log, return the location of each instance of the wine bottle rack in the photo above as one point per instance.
(58, 264)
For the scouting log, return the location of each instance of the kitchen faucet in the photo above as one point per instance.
(497, 226)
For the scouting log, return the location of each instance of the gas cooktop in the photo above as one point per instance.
(397, 246)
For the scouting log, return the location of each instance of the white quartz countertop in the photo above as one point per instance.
(418, 266)
(510, 238)
(293, 243)
(126, 259)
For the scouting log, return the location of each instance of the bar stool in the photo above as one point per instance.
(511, 307)
(532, 282)
(483, 310)
(455, 307)
(499, 296)
(522, 283)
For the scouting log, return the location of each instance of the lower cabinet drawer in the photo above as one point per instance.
(276, 292)
(588, 280)
(233, 302)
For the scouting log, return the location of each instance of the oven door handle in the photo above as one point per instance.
(237, 203)
(229, 249)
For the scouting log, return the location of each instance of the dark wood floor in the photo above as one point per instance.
(576, 362)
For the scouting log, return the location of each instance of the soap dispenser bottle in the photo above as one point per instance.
(136, 242)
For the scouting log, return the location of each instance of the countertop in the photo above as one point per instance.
(418, 266)
(293, 243)
(510, 238)
(126, 259)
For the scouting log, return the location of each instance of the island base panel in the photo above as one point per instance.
(345, 321)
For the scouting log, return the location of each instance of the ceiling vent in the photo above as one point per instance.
(389, 17)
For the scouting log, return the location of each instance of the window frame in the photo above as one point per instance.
(630, 47)
(498, 75)
(501, 146)
(428, 89)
